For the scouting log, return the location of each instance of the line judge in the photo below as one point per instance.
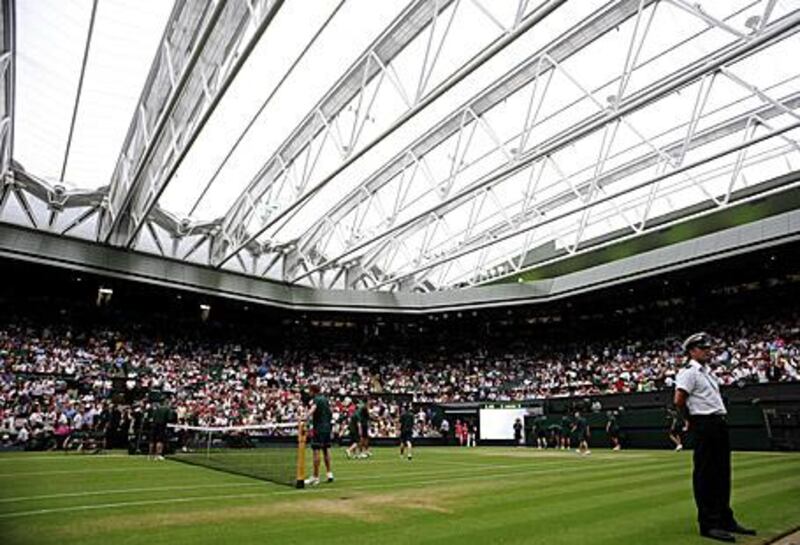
(698, 398)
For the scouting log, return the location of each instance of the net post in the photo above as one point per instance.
(301, 455)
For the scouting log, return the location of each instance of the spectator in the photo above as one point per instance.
(59, 378)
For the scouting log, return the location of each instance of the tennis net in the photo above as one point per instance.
(272, 452)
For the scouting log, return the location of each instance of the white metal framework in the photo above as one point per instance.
(7, 103)
(459, 142)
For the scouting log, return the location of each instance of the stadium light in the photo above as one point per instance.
(104, 296)
(205, 311)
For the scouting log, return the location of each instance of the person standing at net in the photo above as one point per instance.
(320, 417)
(581, 430)
(554, 435)
(540, 426)
(353, 430)
(363, 428)
(406, 432)
(697, 395)
(160, 416)
(566, 426)
(612, 429)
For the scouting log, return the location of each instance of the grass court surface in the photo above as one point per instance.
(483, 495)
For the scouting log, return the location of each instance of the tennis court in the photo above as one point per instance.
(482, 495)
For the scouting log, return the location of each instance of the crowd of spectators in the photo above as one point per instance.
(58, 379)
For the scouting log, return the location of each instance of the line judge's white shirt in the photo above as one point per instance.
(703, 389)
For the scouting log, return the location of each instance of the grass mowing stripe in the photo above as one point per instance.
(605, 474)
(140, 467)
(578, 494)
(625, 502)
(385, 484)
(90, 507)
(238, 484)
(553, 530)
(522, 499)
(192, 487)
(492, 466)
(478, 454)
(533, 471)
(250, 482)
(477, 521)
(383, 533)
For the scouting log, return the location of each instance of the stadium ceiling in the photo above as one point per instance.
(391, 146)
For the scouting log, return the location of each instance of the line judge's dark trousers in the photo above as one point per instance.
(712, 472)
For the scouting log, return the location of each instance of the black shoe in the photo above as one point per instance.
(738, 529)
(719, 535)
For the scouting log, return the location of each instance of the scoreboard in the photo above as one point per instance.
(497, 419)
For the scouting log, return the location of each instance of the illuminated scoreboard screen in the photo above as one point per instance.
(497, 420)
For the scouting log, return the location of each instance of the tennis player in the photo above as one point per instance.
(320, 417)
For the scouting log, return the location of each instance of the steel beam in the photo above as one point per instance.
(234, 238)
(676, 149)
(257, 114)
(556, 217)
(79, 91)
(58, 199)
(715, 133)
(238, 45)
(563, 47)
(792, 184)
(740, 50)
(316, 235)
(7, 75)
(219, 37)
(188, 29)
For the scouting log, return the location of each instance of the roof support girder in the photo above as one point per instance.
(58, 199)
(547, 220)
(259, 191)
(226, 33)
(677, 149)
(185, 36)
(7, 81)
(678, 80)
(539, 65)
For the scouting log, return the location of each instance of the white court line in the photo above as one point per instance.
(538, 470)
(137, 467)
(62, 456)
(251, 495)
(79, 471)
(125, 491)
(238, 484)
(417, 484)
(450, 479)
(136, 459)
(216, 485)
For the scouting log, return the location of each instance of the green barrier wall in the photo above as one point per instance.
(760, 417)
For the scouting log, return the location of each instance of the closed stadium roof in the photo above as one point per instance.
(393, 145)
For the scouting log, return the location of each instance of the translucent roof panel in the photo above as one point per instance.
(197, 188)
(51, 39)
(640, 57)
(402, 144)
